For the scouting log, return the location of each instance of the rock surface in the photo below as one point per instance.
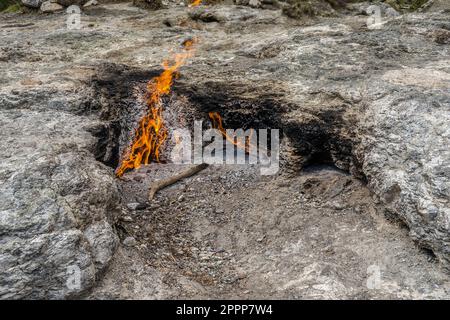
(49, 7)
(90, 3)
(372, 102)
(68, 3)
(32, 3)
(58, 203)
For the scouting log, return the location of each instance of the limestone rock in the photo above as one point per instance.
(90, 3)
(48, 7)
(58, 203)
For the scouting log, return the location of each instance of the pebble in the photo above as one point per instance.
(136, 206)
(127, 219)
(261, 239)
(129, 241)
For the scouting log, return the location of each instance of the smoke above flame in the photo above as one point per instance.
(151, 132)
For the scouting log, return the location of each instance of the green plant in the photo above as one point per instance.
(10, 6)
(17, 7)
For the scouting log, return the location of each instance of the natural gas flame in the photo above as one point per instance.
(151, 131)
(242, 144)
(195, 3)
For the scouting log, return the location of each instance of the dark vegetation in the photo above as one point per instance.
(10, 5)
(299, 8)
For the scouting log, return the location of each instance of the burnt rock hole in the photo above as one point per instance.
(320, 142)
(106, 149)
(237, 109)
(431, 256)
(262, 112)
(117, 87)
(315, 142)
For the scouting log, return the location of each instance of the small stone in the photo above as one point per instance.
(127, 219)
(136, 206)
(391, 12)
(337, 205)
(254, 3)
(132, 205)
(90, 3)
(49, 7)
(261, 238)
(30, 82)
(32, 3)
(129, 242)
(170, 22)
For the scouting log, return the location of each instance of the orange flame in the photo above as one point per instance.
(217, 124)
(151, 131)
(196, 3)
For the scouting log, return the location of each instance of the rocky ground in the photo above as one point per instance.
(363, 187)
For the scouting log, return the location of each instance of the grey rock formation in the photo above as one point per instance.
(32, 3)
(58, 203)
(405, 154)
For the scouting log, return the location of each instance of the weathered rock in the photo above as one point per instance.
(68, 3)
(32, 3)
(58, 202)
(129, 242)
(441, 36)
(103, 242)
(148, 4)
(297, 9)
(385, 10)
(90, 3)
(405, 155)
(49, 7)
(220, 14)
